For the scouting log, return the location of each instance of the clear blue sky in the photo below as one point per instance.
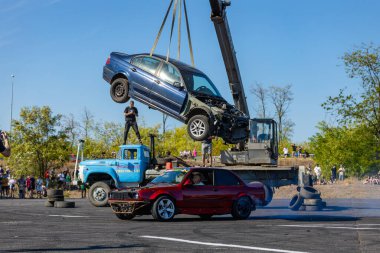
(57, 48)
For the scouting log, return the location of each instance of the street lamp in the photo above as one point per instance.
(10, 128)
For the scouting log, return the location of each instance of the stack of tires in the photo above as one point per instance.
(307, 199)
(56, 199)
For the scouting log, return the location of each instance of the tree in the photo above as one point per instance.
(281, 98)
(72, 130)
(87, 123)
(261, 94)
(363, 109)
(38, 141)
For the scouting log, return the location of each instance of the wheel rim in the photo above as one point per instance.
(119, 90)
(165, 209)
(99, 194)
(197, 127)
(243, 207)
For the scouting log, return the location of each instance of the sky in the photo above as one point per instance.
(57, 49)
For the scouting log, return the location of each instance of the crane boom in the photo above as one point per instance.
(219, 18)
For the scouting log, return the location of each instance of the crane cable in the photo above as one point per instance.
(179, 30)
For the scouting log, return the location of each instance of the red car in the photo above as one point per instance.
(197, 191)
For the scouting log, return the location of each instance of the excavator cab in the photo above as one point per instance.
(261, 147)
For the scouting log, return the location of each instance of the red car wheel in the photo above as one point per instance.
(163, 209)
(242, 208)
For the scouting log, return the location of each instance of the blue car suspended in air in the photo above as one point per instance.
(178, 90)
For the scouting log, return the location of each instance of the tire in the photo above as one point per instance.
(164, 209)
(125, 216)
(198, 127)
(98, 194)
(119, 90)
(312, 202)
(302, 208)
(54, 193)
(314, 208)
(309, 192)
(64, 204)
(56, 198)
(49, 203)
(296, 202)
(205, 216)
(242, 208)
(268, 193)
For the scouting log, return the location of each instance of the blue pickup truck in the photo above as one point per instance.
(127, 169)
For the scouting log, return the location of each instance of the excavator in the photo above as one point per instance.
(261, 148)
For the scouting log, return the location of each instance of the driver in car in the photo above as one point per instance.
(197, 179)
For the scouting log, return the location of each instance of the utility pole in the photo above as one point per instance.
(10, 128)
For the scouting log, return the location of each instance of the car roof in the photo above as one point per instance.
(178, 64)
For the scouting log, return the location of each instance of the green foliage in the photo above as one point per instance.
(351, 146)
(38, 143)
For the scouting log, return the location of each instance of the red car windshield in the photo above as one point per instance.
(170, 177)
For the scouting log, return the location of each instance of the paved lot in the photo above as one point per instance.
(346, 226)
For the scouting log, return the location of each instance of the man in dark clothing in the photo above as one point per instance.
(207, 151)
(5, 149)
(130, 114)
(333, 174)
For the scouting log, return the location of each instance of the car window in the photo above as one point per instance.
(199, 83)
(130, 154)
(170, 74)
(223, 177)
(148, 64)
(206, 177)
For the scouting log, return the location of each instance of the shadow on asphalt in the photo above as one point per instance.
(89, 248)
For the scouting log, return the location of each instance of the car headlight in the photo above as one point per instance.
(135, 195)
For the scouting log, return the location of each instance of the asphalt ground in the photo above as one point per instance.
(345, 226)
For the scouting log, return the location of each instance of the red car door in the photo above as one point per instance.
(226, 187)
(199, 196)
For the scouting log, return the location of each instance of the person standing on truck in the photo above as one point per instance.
(130, 114)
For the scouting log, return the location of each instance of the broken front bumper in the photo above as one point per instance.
(129, 207)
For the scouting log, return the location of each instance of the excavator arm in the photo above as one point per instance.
(219, 18)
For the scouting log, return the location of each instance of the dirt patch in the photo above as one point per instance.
(348, 189)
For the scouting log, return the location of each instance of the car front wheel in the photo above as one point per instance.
(163, 209)
(198, 127)
(119, 90)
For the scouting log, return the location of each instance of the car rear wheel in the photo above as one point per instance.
(119, 90)
(163, 209)
(125, 216)
(98, 194)
(198, 127)
(242, 208)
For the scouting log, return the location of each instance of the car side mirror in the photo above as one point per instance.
(178, 85)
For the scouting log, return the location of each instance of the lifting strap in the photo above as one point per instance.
(161, 28)
(179, 30)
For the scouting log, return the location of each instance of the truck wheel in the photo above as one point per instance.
(242, 208)
(309, 192)
(98, 194)
(119, 90)
(163, 209)
(125, 216)
(296, 202)
(198, 127)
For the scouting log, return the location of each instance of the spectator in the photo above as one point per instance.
(341, 172)
(33, 185)
(28, 185)
(83, 189)
(333, 174)
(12, 186)
(47, 178)
(318, 173)
(21, 187)
(194, 153)
(5, 186)
(61, 180)
(207, 151)
(5, 148)
(39, 183)
(286, 151)
(1, 185)
(300, 149)
(294, 149)
(68, 181)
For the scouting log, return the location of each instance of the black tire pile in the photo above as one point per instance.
(57, 200)
(307, 199)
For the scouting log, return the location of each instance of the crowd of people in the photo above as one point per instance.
(316, 176)
(297, 151)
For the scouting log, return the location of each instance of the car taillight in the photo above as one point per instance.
(108, 60)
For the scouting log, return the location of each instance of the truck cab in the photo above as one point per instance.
(127, 169)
